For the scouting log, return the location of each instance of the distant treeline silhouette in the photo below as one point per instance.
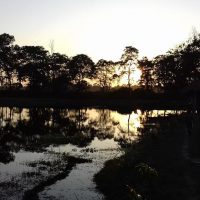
(33, 68)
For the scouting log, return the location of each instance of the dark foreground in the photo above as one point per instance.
(58, 153)
(163, 164)
(80, 102)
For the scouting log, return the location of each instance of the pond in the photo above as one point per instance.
(51, 153)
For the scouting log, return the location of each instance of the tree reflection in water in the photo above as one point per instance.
(39, 136)
(35, 129)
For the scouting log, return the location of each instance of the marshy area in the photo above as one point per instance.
(163, 163)
(72, 128)
(95, 153)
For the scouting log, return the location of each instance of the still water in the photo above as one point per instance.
(36, 146)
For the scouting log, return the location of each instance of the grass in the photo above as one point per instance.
(152, 168)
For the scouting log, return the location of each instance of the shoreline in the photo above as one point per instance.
(152, 155)
(114, 103)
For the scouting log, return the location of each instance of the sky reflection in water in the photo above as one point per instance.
(28, 135)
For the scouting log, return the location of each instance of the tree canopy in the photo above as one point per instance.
(34, 68)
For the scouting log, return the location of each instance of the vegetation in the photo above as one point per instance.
(56, 170)
(152, 168)
(141, 173)
(32, 68)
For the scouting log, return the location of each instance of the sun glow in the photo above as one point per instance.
(134, 77)
(124, 125)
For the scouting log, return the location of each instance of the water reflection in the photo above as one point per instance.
(28, 135)
(36, 128)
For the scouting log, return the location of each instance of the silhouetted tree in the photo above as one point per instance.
(59, 71)
(147, 79)
(105, 73)
(6, 40)
(179, 67)
(80, 68)
(165, 71)
(128, 62)
(35, 68)
(189, 59)
(7, 58)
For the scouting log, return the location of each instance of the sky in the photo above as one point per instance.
(100, 28)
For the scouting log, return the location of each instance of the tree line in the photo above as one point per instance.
(34, 68)
(176, 70)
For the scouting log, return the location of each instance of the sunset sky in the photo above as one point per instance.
(100, 28)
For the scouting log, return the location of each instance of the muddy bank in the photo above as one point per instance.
(79, 183)
(153, 168)
(62, 172)
(31, 177)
